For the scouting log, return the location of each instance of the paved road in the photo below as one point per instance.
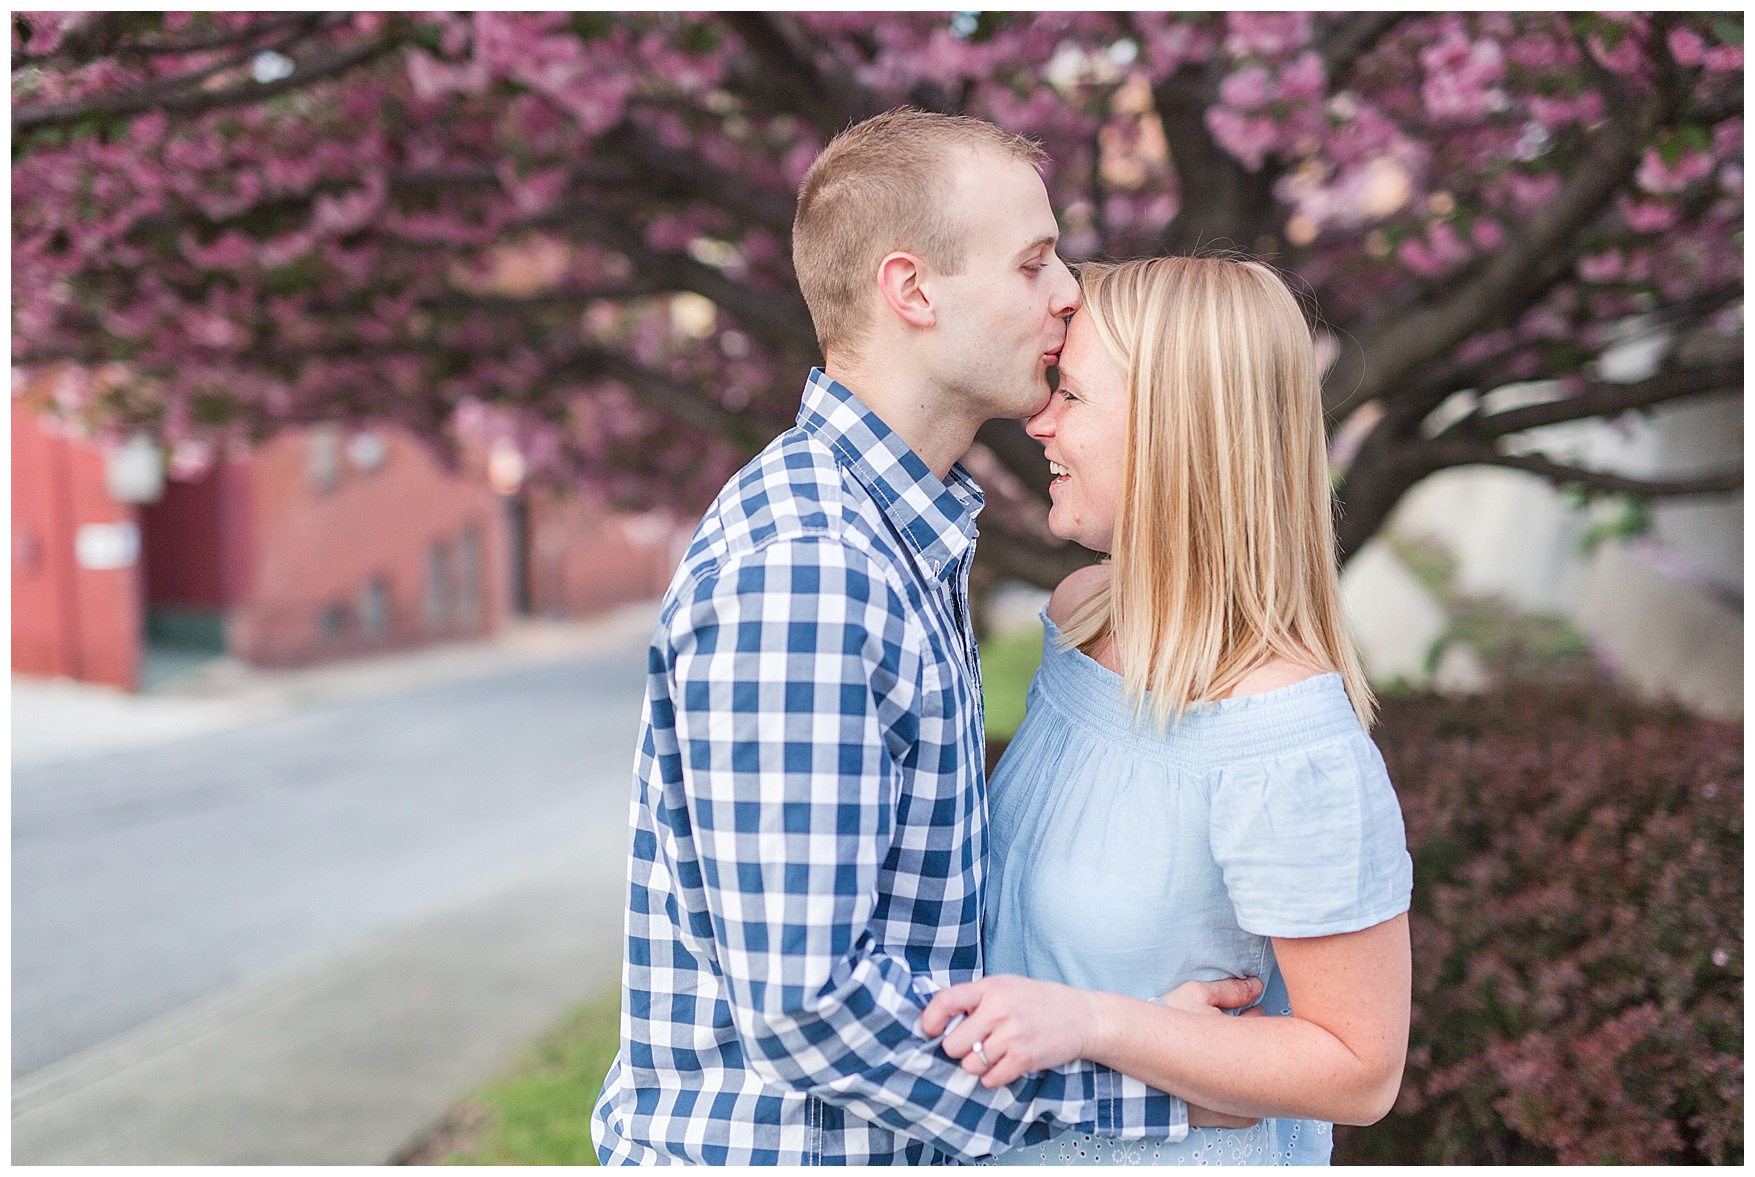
(145, 880)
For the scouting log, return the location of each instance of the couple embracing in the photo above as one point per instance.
(844, 944)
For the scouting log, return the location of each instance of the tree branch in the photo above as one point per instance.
(779, 317)
(507, 304)
(1389, 353)
(174, 97)
(683, 401)
(106, 35)
(1351, 37)
(695, 177)
(1466, 453)
(783, 64)
(222, 40)
(1221, 200)
(1606, 400)
(1025, 558)
(1018, 452)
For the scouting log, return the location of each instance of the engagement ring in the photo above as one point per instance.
(982, 1054)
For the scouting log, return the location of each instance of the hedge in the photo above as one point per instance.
(1577, 931)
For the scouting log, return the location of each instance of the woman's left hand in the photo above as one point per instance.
(1022, 1025)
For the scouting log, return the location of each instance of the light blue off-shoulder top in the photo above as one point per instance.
(1129, 861)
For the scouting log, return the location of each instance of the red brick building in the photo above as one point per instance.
(320, 544)
(76, 607)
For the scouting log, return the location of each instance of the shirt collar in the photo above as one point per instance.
(936, 518)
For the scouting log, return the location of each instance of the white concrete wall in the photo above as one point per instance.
(1664, 610)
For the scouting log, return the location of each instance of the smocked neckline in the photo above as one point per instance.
(1315, 684)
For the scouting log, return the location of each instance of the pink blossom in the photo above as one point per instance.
(1531, 192)
(394, 185)
(670, 233)
(1247, 138)
(1554, 113)
(1601, 267)
(1480, 347)
(231, 251)
(535, 192)
(340, 215)
(1724, 59)
(1487, 233)
(1266, 34)
(1170, 40)
(1461, 77)
(210, 330)
(433, 78)
(1624, 58)
(1727, 138)
(1303, 79)
(286, 249)
(1446, 245)
(1686, 46)
(1247, 88)
(46, 31)
(1419, 258)
(1647, 216)
(1657, 176)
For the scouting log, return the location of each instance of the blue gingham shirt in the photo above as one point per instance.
(810, 831)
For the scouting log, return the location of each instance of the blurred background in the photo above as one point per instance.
(370, 372)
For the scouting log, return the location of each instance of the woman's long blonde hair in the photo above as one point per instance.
(1224, 549)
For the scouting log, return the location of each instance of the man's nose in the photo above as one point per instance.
(1068, 295)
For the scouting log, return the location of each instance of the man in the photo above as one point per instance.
(809, 816)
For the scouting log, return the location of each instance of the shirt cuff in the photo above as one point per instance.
(1128, 1109)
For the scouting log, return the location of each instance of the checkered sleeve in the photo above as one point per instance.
(798, 676)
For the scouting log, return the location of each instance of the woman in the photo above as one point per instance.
(1192, 795)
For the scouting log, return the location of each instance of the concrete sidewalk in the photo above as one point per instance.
(350, 1059)
(349, 1062)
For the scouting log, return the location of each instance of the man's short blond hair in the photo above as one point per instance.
(880, 186)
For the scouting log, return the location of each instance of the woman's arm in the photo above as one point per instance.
(1338, 1058)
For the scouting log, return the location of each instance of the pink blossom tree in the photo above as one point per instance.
(571, 229)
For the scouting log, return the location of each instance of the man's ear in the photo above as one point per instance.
(901, 278)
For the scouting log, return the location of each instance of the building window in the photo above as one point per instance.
(469, 576)
(375, 609)
(323, 458)
(366, 451)
(436, 600)
(332, 622)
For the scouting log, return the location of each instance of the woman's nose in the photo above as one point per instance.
(1041, 426)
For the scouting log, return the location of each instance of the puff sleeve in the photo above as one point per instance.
(1310, 842)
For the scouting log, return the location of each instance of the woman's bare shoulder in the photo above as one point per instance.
(1075, 590)
(1274, 674)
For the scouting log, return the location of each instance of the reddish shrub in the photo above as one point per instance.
(1577, 931)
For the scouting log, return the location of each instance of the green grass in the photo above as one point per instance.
(1008, 660)
(539, 1113)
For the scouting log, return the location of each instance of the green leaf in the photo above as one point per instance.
(589, 26)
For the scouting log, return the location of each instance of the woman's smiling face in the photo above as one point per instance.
(1083, 432)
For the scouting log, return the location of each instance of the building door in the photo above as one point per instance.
(190, 557)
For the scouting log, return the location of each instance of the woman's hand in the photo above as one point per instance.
(1021, 1025)
(1214, 997)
